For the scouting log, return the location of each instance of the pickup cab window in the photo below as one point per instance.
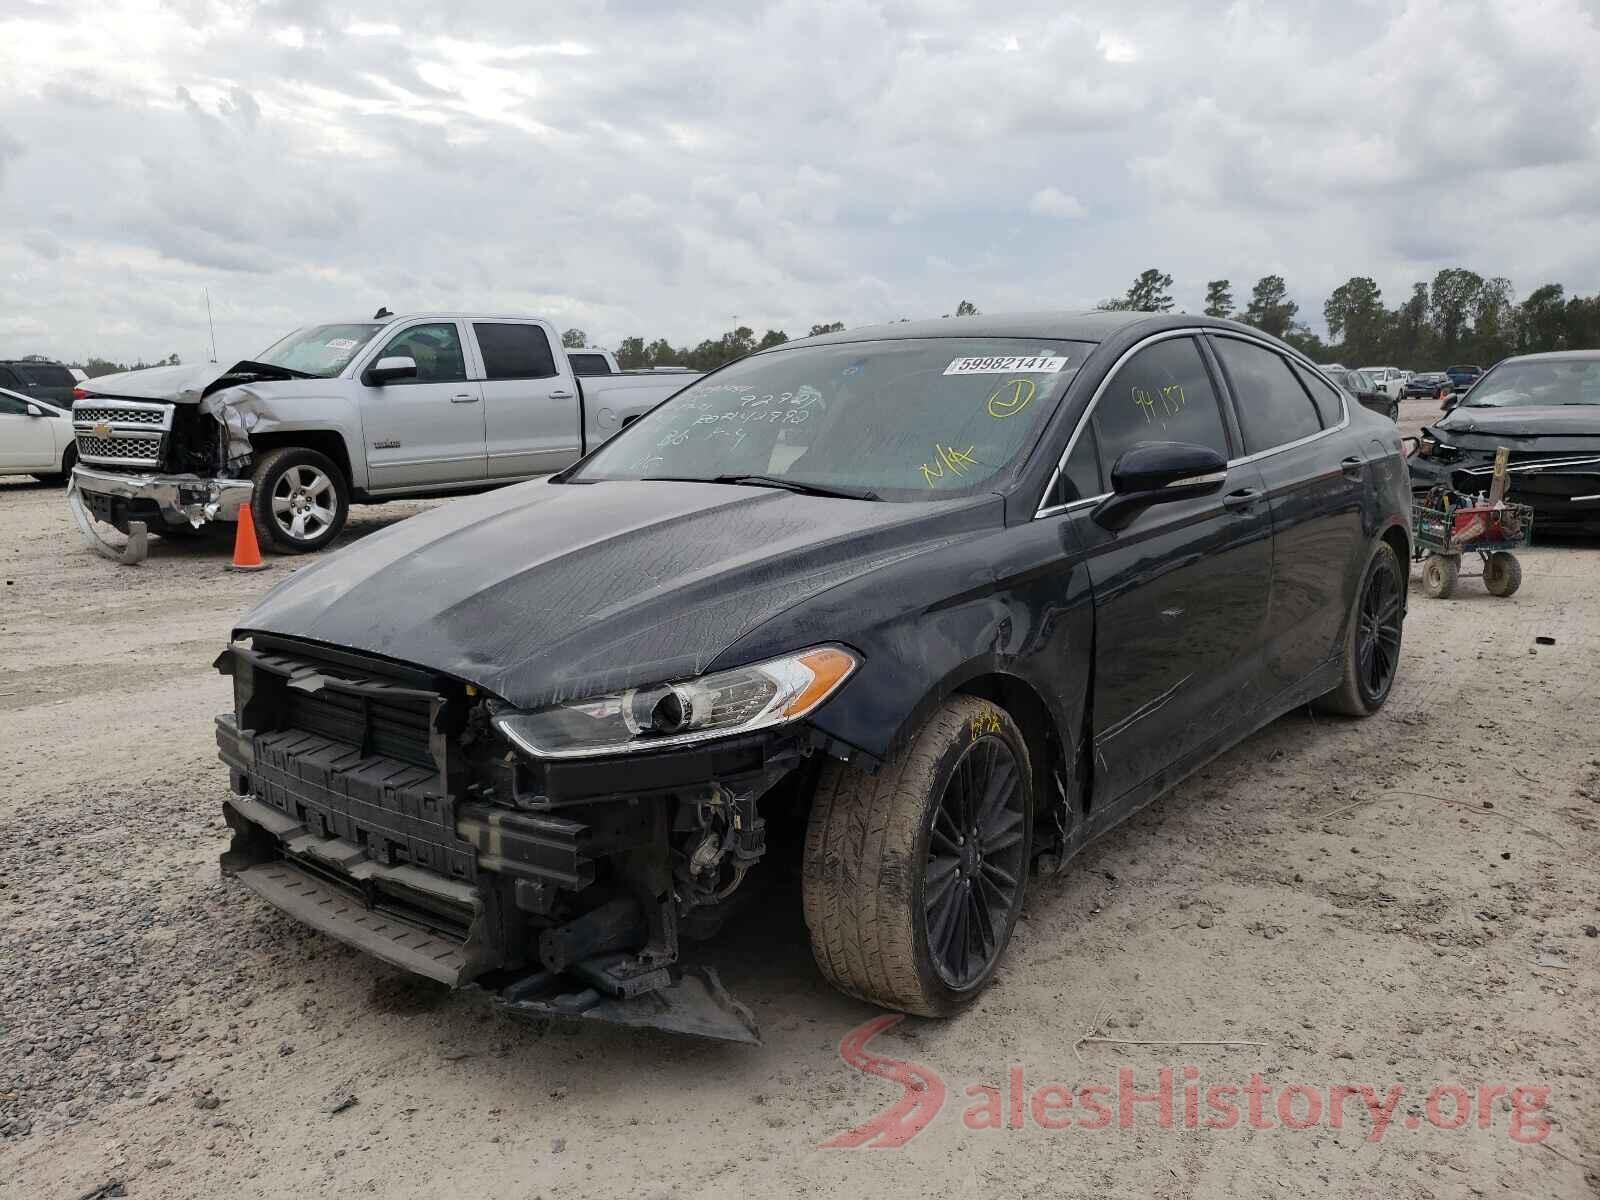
(588, 364)
(513, 351)
(436, 349)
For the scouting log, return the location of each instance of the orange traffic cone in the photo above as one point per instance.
(246, 554)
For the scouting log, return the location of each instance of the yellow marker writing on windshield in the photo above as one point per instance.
(1010, 398)
(947, 458)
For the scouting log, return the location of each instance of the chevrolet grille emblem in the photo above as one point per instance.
(102, 429)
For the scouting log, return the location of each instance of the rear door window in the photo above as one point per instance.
(1330, 409)
(1162, 394)
(1274, 409)
(514, 351)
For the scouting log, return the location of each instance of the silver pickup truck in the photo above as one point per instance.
(348, 411)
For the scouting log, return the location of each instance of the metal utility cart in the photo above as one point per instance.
(1449, 524)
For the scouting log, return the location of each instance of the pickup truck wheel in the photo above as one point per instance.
(300, 501)
(914, 877)
(1372, 646)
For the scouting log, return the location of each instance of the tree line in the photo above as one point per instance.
(1460, 317)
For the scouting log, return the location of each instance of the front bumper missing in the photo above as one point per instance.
(317, 830)
(130, 502)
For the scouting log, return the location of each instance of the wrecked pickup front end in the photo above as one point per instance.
(380, 804)
(164, 449)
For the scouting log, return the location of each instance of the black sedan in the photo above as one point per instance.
(1365, 389)
(917, 608)
(1545, 409)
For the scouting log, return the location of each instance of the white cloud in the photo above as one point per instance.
(1053, 202)
(784, 161)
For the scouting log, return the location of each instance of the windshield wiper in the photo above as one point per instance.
(775, 481)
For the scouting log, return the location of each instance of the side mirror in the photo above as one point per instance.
(387, 370)
(1156, 473)
(35, 411)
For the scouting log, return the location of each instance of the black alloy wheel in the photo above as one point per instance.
(1378, 630)
(975, 869)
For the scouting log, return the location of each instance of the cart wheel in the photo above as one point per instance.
(1439, 575)
(1502, 574)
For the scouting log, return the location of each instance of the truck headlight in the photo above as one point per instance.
(676, 714)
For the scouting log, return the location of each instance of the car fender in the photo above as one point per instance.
(252, 412)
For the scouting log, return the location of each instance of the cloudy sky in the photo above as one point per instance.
(662, 168)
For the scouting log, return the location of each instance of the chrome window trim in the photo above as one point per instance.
(1165, 335)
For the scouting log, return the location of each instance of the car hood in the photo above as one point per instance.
(546, 592)
(1567, 420)
(186, 384)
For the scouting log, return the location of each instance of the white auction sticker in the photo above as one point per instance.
(1007, 365)
(342, 344)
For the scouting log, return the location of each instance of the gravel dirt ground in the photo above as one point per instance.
(1408, 900)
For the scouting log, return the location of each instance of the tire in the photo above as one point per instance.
(1502, 574)
(1439, 575)
(1372, 645)
(868, 869)
(313, 506)
(69, 459)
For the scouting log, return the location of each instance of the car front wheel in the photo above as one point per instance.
(914, 876)
(300, 501)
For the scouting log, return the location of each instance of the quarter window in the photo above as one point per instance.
(1273, 408)
(436, 349)
(514, 351)
(1162, 394)
(1323, 395)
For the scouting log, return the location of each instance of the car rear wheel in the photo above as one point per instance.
(1372, 647)
(69, 459)
(914, 877)
(300, 502)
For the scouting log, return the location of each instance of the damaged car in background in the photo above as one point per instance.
(908, 613)
(1545, 410)
(354, 411)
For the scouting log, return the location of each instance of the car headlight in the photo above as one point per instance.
(677, 714)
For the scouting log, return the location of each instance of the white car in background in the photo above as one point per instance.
(1391, 381)
(36, 438)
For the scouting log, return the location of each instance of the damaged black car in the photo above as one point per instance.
(1544, 409)
(920, 609)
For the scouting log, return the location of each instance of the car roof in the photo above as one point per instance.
(1555, 356)
(30, 362)
(1093, 325)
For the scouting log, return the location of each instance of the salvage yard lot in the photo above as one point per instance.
(1371, 900)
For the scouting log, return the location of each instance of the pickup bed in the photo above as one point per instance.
(335, 413)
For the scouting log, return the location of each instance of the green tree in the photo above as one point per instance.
(834, 327)
(1149, 293)
(1454, 290)
(631, 355)
(1494, 323)
(1356, 317)
(771, 338)
(1219, 298)
(1270, 309)
(1302, 339)
(1541, 320)
(574, 339)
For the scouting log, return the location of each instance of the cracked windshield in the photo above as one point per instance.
(901, 420)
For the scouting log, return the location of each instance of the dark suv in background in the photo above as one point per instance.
(1461, 378)
(47, 381)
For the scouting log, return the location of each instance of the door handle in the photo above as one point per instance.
(1241, 500)
(1351, 466)
(561, 394)
(464, 398)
